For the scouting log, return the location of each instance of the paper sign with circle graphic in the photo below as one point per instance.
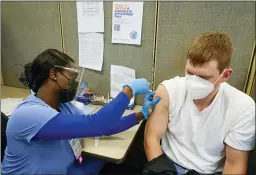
(127, 22)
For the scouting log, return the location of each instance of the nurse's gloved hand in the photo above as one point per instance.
(149, 104)
(138, 86)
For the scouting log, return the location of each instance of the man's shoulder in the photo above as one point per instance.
(175, 90)
(174, 82)
(237, 100)
(175, 86)
(236, 96)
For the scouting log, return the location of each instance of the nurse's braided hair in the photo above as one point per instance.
(37, 72)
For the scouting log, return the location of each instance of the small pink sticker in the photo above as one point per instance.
(80, 159)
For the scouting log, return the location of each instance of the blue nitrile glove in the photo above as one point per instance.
(149, 104)
(138, 86)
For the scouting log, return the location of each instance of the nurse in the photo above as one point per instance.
(43, 131)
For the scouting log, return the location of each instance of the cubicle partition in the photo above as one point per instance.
(167, 31)
(27, 28)
(180, 22)
(135, 57)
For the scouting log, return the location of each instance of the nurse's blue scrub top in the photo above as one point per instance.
(26, 156)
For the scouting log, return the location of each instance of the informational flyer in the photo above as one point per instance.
(90, 16)
(127, 22)
(91, 48)
(119, 75)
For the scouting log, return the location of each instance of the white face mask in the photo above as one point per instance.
(198, 87)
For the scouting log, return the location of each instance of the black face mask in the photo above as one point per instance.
(67, 95)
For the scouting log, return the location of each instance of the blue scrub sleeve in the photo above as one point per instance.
(124, 123)
(68, 126)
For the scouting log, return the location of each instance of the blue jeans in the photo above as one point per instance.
(179, 169)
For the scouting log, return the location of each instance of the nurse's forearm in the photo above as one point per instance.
(67, 126)
(115, 109)
(125, 123)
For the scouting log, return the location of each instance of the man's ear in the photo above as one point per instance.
(52, 74)
(226, 75)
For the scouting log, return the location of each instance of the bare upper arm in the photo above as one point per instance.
(234, 155)
(158, 121)
(236, 161)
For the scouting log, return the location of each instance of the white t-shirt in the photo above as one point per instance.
(195, 140)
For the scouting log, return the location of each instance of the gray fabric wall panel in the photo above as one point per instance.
(180, 22)
(30, 27)
(27, 29)
(136, 57)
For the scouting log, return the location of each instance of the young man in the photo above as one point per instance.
(205, 124)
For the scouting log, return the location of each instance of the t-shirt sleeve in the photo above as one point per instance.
(26, 121)
(241, 134)
(176, 90)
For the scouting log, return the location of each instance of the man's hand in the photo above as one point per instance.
(236, 161)
(157, 125)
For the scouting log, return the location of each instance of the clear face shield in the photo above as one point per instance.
(74, 79)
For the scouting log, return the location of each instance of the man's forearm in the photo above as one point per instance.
(152, 148)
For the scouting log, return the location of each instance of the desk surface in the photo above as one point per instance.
(112, 148)
(13, 92)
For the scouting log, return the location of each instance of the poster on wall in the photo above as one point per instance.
(127, 22)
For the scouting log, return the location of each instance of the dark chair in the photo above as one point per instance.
(252, 163)
(135, 159)
(4, 120)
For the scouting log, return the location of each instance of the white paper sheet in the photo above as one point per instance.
(120, 75)
(97, 140)
(127, 22)
(90, 16)
(91, 46)
(9, 104)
